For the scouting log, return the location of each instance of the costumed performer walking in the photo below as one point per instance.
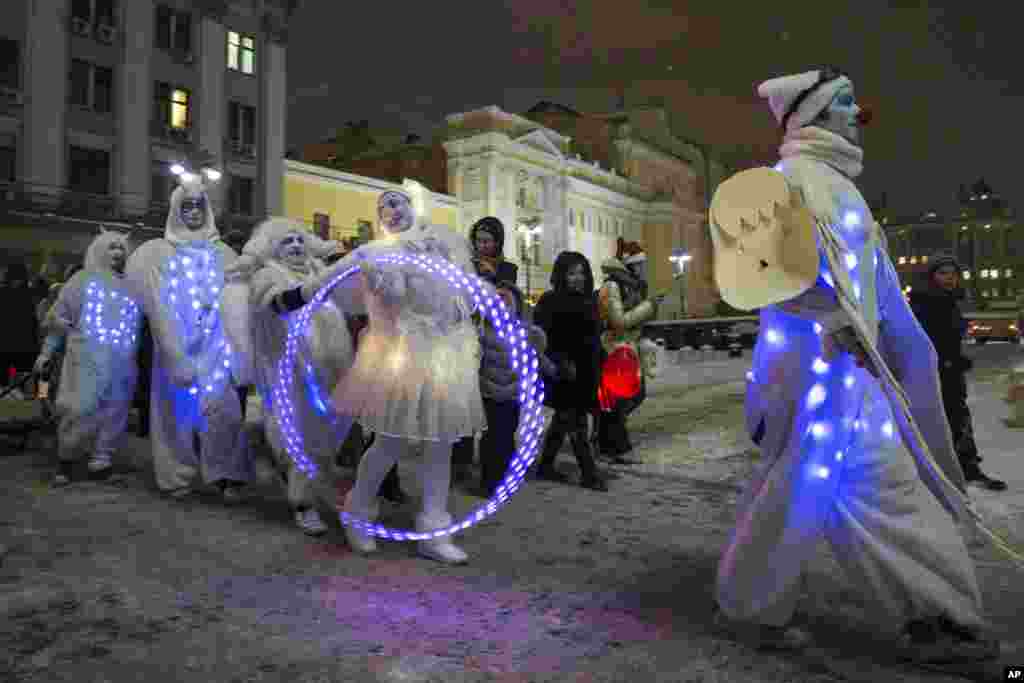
(97, 323)
(415, 380)
(196, 417)
(847, 455)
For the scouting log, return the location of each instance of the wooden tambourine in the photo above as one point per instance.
(764, 240)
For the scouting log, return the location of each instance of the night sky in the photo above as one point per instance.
(943, 77)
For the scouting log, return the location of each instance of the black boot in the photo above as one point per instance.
(973, 474)
(552, 443)
(590, 477)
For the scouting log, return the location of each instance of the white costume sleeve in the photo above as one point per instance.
(145, 270)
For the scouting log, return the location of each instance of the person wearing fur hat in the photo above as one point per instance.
(624, 310)
(195, 418)
(569, 317)
(849, 453)
(97, 323)
(284, 255)
(938, 310)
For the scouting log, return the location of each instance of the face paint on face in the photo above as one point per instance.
(576, 278)
(485, 244)
(395, 213)
(193, 212)
(843, 115)
(117, 254)
(292, 249)
(946, 278)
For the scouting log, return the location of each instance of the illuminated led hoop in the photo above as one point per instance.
(510, 331)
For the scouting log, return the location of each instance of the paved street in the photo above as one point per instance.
(112, 582)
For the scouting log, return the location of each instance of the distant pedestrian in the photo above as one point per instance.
(938, 310)
(20, 342)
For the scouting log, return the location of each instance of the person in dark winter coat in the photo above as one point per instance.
(569, 316)
(499, 388)
(487, 237)
(938, 310)
(20, 343)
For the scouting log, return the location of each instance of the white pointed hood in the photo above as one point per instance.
(97, 256)
(177, 232)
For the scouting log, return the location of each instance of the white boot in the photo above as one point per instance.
(441, 549)
(309, 521)
(357, 540)
(99, 462)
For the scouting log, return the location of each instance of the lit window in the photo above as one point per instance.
(924, 259)
(179, 109)
(1008, 273)
(988, 225)
(963, 228)
(994, 274)
(984, 274)
(913, 260)
(241, 52)
(903, 260)
(967, 275)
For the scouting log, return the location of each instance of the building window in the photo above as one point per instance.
(241, 52)
(173, 29)
(10, 64)
(172, 106)
(93, 11)
(1008, 272)
(322, 225)
(89, 170)
(91, 86)
(242, 127)
(161, 182)
(241, 195)
(8, 164)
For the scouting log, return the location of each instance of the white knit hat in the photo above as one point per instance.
(783, 92)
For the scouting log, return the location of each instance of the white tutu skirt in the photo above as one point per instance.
(411, 384)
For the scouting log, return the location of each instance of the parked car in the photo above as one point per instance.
(992, 326)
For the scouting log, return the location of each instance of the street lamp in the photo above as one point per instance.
(679, 259)
(528, 229)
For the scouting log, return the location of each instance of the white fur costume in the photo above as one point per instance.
(100, 324)
(323, 355)
(415, 380)
(178, 280)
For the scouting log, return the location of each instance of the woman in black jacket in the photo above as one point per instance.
(569, 317)
(938, 310)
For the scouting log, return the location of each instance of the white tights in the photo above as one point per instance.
(435, 475)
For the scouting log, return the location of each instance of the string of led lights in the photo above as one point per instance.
(523, 357)
(196, 277)
(123, 329)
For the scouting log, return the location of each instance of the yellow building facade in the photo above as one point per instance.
(347, 203)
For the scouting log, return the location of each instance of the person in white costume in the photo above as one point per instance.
(840, 459)
(196, 417)
(415, 378)
(275, 263)
(97, 323)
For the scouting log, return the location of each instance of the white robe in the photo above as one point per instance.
(323, 355)
(100, 324)
(839, 460)
(188, 335)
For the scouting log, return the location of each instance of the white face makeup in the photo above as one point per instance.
(193, 212)
(395, 212)
(292, 249)
(841, 116)
(117, 254)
